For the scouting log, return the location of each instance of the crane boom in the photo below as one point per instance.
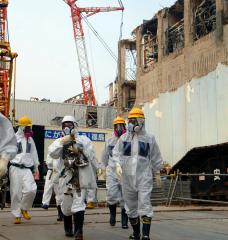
(76, 14)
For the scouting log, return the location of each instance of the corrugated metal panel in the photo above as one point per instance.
(42, 113)
(194, 115)
(193, 109)
(178, 124)
(165, 126)
(208, 112)
(152, 122)
(222, 102)
(105, 116)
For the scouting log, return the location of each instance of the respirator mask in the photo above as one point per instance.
(119, 129)
(28, 131)
(135, 124)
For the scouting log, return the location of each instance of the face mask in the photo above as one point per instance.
(66, 131)
(134, 127)
(28, 134)
(130, 127)
(119, 132)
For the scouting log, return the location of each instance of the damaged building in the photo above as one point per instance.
(182, 75)
(122, 94)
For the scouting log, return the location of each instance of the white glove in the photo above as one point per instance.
(36, 173)
(3, 166)
(119, 170)
(66, 139)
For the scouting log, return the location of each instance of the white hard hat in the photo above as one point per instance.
(69, 119)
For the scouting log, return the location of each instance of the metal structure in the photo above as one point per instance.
(76, 14)
(175, 36)
(204, 18)
(6, 61)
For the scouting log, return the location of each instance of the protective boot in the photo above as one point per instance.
(112, 209)
(25, 214)
(78, 225)
(90, 205)
(68, 226)
(60, 214)
(146, 227)
(17, 220)
(135, 223)
(124, 219)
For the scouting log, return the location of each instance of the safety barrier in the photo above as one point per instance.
(177, 177)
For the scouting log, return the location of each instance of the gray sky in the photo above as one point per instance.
(41, 33)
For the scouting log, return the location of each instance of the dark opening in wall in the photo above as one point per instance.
(150, 42)
(204, 17)
(175, 31)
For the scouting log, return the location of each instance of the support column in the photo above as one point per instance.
(225, 11)
(219, 21)
(139, 61)
(188, 23)
(161, 33)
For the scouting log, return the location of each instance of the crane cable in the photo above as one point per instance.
(105, 45)
(99, 37)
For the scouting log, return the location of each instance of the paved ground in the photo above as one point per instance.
(185, 223)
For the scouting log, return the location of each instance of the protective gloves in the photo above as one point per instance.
(3, 166)
(68, 138)
(36, 173)
(118, 170)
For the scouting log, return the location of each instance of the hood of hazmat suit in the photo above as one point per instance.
(8, 142)
(26, 153)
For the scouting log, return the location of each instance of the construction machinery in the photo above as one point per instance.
(7, 61)
(77, 14)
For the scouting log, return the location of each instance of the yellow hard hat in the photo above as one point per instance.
(119, 120)
(25, 121)
(136, 113)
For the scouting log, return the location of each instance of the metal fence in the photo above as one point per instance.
(177, 179)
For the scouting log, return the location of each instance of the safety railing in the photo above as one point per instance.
(177, 177)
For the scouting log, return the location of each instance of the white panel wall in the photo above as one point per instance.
(222, 102)
(194, 115)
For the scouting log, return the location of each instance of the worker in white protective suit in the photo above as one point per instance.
(91, 193)
(113, 183)
(22, 167)
(8, 144)
(78, 155)
(137, 156)
(52, 184)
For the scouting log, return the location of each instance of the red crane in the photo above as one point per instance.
(6, 62)
(76, 14)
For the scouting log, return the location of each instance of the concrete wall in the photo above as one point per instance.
(194, 115)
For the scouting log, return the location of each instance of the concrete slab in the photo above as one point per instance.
(176, 223)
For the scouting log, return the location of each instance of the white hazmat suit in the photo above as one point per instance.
(72, 201)
(113, 184)
(8, 144)
(22, 184)
(52, 181)
(139, 155)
